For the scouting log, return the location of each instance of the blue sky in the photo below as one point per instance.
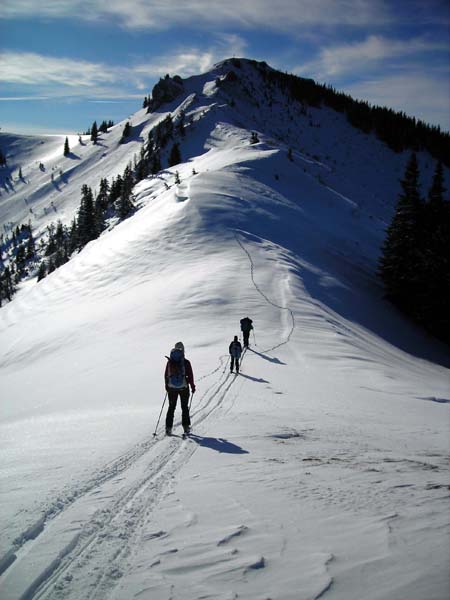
(64, 63)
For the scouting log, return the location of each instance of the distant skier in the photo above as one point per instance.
(246, 327)
(178, 376)
(235, 350)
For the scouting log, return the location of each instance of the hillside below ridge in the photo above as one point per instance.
(338, 182)
(327, 191)
(315, 413)
(234, 192)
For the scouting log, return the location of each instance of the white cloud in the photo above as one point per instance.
(31, 68)
(159, 14)
(63, 76)
(192, 61)
(418, 94)
(339, 60)
(22, 98)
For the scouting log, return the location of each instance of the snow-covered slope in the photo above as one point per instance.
(319, 471)
(51, 182)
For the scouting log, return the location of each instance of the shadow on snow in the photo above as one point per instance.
(218, 444)
(256, 379)
(271, 359)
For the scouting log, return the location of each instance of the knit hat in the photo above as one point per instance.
(179, 346)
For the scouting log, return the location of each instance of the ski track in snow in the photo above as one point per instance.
(106, 538)
(267, 299)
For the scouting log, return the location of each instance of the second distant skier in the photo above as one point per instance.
(235, 350)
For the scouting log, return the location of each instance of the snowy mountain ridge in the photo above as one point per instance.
(319, 471)
(320, 133)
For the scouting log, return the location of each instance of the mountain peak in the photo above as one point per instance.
(166, 90)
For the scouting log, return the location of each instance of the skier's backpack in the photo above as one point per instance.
(236, 349)
(176, 370)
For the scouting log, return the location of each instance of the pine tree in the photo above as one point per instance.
(437, 190)
(60, 235)
(51, 242)
(42, 271)
(401, 251)
(434, 301)
(8, 286)
(127, 181)
(87, 229)
(101, 201)
(59, 257)
(180, 126)
(156, 164)
(175, 155)
(254, 139)
(125, 207)
(94, 132)
(126, 132)
(20, 261)
(72, 242)
(2, 159)
(125, 204)
(31, 248)
(51, 266)
(150, 144)
(66, 147)
(142, 167)
(115, 189)
(164, 131)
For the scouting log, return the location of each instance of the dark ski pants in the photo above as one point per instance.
(173, 394)
(246, 335)
(234, 361)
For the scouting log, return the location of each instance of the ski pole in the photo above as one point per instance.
(254, 336)
(160, 414)
(190, 403)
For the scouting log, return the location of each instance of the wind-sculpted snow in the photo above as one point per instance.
(320, 471)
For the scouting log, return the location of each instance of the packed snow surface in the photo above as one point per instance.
(320, 471)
